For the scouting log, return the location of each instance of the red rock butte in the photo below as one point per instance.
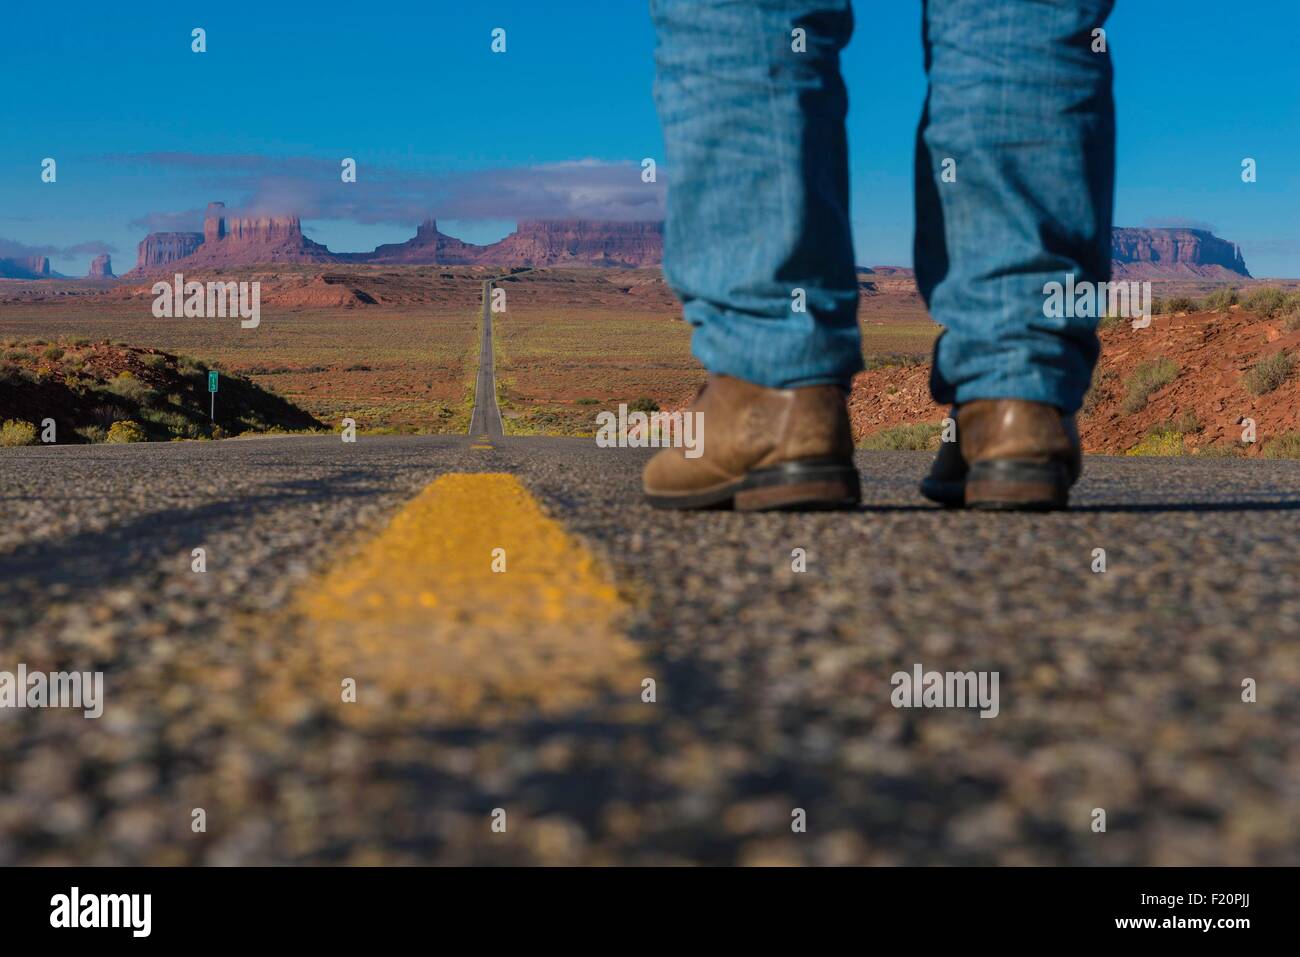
(25, 267)
(101, 267)
(1174, 254)
(251, 240)
(237, 241)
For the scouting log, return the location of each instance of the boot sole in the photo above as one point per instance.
(1016, 485)
(797, 486)
(949, 493)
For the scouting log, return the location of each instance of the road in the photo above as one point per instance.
(517, 695)
(485, 421)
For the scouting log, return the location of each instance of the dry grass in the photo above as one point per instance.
(557, 367)
(1147, 378)
(1283, 447)
(1268, 373)
(917, 437)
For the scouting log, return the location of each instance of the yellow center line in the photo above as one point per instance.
(471, 604)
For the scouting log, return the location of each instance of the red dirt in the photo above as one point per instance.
(1213, 351)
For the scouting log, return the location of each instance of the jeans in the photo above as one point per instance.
(1014, 186)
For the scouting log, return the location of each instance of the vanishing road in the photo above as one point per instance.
(479, 649)
(485, 421)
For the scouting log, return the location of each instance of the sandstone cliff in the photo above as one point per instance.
(1174, 253)
(101, 267)
(25, 267)
(229, 242)
(581, 242)
(428, 248)
(534, 243)
(248, 240)
(162, 249)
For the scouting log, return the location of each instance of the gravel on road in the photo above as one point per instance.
(772, 737)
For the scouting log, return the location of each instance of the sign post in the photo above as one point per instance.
(212, 392)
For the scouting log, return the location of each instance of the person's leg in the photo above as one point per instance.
(758, 247)
(1014, 186)
(752, 105)
(1021, 105)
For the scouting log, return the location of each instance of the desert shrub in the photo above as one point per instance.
(93, 433)
(587, 401)
(1175, 304)
(105, 413)
(643, 404)
(15, 375)
(154, 360)
(1232, 451)
(80, 343)
(914, 437)
(1285, 446)
(1159, 442)
(1267, 374)
(129, 387)
(53, 353)
(1146, 379)
(19, 355)
(125, 430)
(1266, 302)
(1291, 321)
(1221, 299)
(892, 360)
(190, 430)
(80, 384)
(1185, 423)
(173, 422)
(17, 432)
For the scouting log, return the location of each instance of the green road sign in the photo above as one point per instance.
(212, 382)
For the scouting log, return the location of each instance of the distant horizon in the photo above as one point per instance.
(514, 226)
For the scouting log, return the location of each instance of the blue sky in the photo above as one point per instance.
(146, 132)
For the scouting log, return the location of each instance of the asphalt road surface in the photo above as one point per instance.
(516, 698)
(485, 420)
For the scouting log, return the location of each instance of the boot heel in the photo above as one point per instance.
(800, 485)
(1012, 484)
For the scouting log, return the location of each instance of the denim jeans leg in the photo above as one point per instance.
(1019, 114)
(757, 242)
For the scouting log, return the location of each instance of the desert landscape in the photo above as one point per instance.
(389, 338)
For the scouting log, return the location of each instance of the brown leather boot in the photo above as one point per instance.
(762, 449)
(1018, 455)
(946, 483)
